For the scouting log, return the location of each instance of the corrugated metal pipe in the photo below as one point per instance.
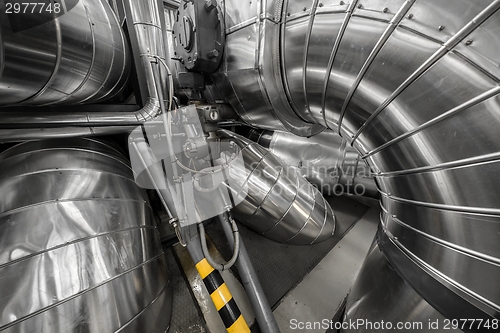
(277, 201)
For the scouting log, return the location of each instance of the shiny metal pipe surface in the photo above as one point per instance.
(326, 160)
(260, 136)
(251, 75)
(79, 248)
(263, 313)
(277, 202)
(414, 87)
(78, 57)
(18, 135)
(144, 15)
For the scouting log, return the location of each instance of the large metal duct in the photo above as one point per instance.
(276, 201)
(79, 249)
(144, 16)
(251, 75)
(78, 57)
(414, 87)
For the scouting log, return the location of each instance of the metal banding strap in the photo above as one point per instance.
(447, 302)
(223, 300)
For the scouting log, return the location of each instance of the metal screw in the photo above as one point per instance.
(394, 216)
(360, 6)
(468, 42)
(410, 16)
(320, 4)
(441, 27)
(341, 3)
(249, 37)
(213, 54)
(386, 10)
(304, 9)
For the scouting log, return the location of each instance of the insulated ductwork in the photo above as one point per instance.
(414, 87)
(79, 248)
(77, 57)
(144, 16)
(277, 202)
(262, 137)
(326, 160)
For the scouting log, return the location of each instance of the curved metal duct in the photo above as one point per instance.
(78, 57)
(79, 248)
(251, 74)
(279, 203)
(325, 160)
(414, 87)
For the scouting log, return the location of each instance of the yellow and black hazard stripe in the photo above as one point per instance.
(222, 298)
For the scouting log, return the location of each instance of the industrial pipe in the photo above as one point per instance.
(220, 294)
(79, 246)
(262, 309)
(77, 56)
(275, 200)
(146, 21)
(414, 87)
(326, 160)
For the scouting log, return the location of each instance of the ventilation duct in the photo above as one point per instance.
(78, 242)
(277, 202)
(325, 160)
(414, 87)
(78, 57)
(29, 125)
